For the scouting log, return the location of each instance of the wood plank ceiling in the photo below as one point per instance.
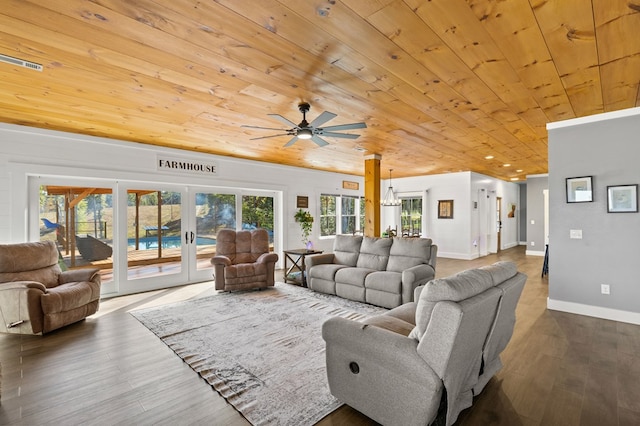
(441, 84)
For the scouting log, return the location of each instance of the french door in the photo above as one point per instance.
(142, 236)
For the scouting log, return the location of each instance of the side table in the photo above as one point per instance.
(294, 267)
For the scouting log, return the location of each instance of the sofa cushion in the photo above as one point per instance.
(374, 253)
(326, 271)
(501, 271)
(352, 276)
(408, 252)
(384, 281)
(458, 287)
(346, 249)
(69, 296)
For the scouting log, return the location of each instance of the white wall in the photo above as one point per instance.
(471, 232)
(606, 148)
(28, 151)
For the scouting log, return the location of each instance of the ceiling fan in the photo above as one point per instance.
(312, 131)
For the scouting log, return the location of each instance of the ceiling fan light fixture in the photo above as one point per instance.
(305, 134)
(390, 198)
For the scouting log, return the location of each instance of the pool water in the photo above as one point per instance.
(175, 241)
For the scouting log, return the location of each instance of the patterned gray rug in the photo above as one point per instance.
(261, 350)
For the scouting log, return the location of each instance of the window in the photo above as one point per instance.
(328, 215)
(411, 216)
(348, 215)
(340, 214)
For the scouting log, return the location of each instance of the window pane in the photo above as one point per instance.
(327, 215)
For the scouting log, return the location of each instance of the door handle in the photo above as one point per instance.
(186, 238)
(192, 237)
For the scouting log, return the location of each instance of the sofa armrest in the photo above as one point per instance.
(414, 277)
(395, 351)
(434, 256)
(77, 275)
(267, 258)
(318, 259)
(220, 260)
(20, 285)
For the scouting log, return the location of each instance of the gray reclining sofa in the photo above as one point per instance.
(429, 356)
(379, 271)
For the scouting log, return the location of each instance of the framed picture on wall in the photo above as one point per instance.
(445, 209)
(579, 189)
(622, 199)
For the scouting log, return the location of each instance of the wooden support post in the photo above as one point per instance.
(372, 195)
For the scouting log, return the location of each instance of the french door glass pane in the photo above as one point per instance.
(411, 216)
(257, 212)
(213, 212)
(80, 221)
(154, 240)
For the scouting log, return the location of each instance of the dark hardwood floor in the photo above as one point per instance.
(559, 369)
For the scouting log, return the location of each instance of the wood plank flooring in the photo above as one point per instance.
(559, 369)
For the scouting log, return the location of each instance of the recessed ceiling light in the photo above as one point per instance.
(489, 157)
(359, 149)
(515, 178)
(506, 165)
(519, 171)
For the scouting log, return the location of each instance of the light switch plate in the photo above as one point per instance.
(575, 233)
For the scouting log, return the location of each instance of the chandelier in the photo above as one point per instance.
(390, 198)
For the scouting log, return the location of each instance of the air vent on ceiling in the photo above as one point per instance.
(20, 62)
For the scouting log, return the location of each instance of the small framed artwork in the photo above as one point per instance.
(579, 189)
(445, 209)
(346, 184)
(622, 199)
(302, 202)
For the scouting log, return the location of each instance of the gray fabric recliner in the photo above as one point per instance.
(396, 367)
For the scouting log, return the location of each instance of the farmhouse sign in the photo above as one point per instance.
(181, 165)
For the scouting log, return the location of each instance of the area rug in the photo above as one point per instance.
(261, 350)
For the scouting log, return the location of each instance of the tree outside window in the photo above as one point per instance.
(328, 215)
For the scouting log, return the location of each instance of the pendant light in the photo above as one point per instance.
(390, 197)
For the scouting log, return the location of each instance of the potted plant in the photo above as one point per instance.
(305, 219)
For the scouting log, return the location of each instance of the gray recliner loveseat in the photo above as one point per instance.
(403, 367)
(379, 271)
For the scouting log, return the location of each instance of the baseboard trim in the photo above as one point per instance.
(534, 253)
(458, 256)
(594, 311)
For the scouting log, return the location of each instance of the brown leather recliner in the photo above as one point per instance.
(36, 296)
(243, 260)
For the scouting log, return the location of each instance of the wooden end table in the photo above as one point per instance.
(294, 262)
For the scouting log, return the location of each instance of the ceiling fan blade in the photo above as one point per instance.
(319, 141)
(283, 120)
(291, 142)
(345, 127)
(322, 118)
(339, 135)
(265, 128)
(271, 136)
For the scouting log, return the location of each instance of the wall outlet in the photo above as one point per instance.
(533, 243)
(575, 233)
(605, 289)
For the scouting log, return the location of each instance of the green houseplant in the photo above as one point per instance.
(305, 219)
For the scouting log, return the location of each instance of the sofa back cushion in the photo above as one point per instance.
(346, 249)
(501, 271)
(37, 261)
(374, 253)
(456, 288)
(408, 252)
